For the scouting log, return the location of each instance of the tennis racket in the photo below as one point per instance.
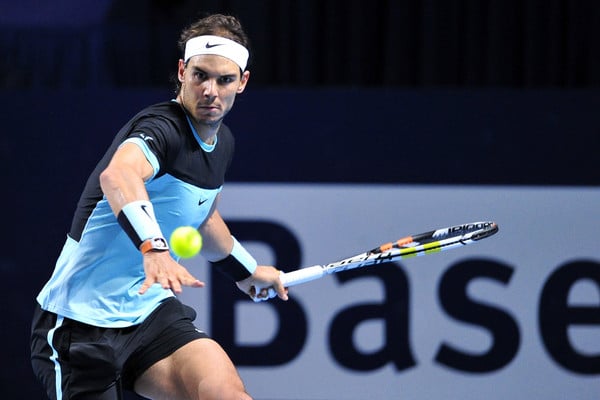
(410, 246)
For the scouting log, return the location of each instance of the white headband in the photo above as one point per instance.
(219, 46)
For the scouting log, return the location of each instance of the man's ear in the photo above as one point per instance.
(180, 70)
(243, 81)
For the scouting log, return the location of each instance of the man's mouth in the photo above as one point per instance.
(208, 109)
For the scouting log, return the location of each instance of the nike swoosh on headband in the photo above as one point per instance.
(217, 45)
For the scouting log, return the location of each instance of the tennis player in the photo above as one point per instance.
(108, 319)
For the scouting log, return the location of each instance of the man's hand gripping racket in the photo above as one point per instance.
(410, 246)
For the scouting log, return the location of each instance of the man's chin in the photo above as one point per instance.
(210, 122)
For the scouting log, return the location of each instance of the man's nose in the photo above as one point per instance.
(210, 88)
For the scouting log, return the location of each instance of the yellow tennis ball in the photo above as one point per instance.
(186, 241)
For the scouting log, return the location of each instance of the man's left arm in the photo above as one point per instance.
(228, 256)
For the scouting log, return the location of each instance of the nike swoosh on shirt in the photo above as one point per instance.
(202, 201)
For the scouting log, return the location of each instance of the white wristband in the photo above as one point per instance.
(241, 254)
(139, 222)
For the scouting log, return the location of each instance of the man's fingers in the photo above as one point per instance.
(145, 286)
(252, 291)
(267, 293)
(195, 283)
(186, 280)
(283, 294)
(164, 281)
(174, 283)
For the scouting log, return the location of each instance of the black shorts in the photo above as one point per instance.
(73, 359)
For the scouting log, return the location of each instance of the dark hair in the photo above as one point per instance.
(225, 26)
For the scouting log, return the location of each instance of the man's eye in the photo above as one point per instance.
(226, 79)
(198, 75)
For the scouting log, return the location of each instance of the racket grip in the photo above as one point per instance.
(293, 278)
(302, 275)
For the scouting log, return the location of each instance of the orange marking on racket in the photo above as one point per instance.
(398, 243)
(403, 241)
(386, 247)
(454, 238)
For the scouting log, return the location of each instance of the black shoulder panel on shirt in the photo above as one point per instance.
(165, 128)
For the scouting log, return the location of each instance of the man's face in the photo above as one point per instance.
(209, 84)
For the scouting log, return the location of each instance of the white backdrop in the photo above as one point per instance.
(541, 229)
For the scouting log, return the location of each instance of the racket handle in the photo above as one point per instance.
(302, 275)
(293, 278)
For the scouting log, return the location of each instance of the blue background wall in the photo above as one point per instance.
(449, 116)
